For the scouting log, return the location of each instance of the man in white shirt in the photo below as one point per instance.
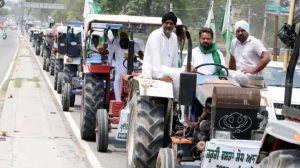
(248, 54)
(120, 49)
(161, 51)
(206, 52)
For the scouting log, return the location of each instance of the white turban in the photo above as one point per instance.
(241, 24)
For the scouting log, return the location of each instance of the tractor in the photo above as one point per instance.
(58, 59)
(38, 42)
(280, 146)
(47, 50)
(214, 107)
(72, 65)
(98, 109)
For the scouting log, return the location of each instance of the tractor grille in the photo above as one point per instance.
(279, 105)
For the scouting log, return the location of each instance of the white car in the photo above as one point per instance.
(274, 78)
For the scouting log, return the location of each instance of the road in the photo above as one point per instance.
(8, 48)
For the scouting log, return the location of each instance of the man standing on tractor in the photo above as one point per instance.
(248, 54)
(206, 52)
(161, 51)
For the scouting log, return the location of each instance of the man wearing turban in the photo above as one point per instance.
(248, 54)
(161, 51)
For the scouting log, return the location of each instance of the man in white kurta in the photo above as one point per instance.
(161, 53)
(120, 49)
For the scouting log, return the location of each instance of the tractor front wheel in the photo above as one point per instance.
(94, 96)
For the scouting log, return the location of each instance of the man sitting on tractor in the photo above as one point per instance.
(161, 54)
(161, 51)
(206, 52)
(248, 54)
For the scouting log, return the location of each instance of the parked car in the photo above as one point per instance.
(275, 80)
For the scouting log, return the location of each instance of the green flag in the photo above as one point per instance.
(91, 7)
(225, 26)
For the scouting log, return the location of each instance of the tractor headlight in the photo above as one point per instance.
(222, 134)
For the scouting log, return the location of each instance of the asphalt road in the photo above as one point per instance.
(8, 49)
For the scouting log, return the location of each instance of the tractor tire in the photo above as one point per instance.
(102, 130)
(37, 50)
(59, 82)
(69, 71)
(58, 68)
(94, 96)
(44, 63)
(47, 66)
(282, 159)
(55, 81)
(65, 97)
(52, 65)
(146, 131)
(166, 158)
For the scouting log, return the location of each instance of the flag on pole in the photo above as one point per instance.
(210, 21)
(91, 7)
(225, 26)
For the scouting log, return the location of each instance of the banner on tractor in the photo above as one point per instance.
(123, 125)
(231, 153)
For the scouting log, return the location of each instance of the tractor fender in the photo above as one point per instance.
(152, 87)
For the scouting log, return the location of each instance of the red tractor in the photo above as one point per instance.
(98, 108)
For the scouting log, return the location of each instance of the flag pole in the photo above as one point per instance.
(227, 48)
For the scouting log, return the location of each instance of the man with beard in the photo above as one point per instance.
(119, 49)
(206, 52)
(161, 51)
(248, 54)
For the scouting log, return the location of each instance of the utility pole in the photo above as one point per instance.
(249, 15)
(263, 36)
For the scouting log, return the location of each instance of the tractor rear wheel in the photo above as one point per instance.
(102, 130)
(94, 96)
(146, 131)
(166, 158)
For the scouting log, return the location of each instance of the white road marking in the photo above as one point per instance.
(11, 64)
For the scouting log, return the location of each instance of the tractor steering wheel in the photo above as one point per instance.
(219, 67)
